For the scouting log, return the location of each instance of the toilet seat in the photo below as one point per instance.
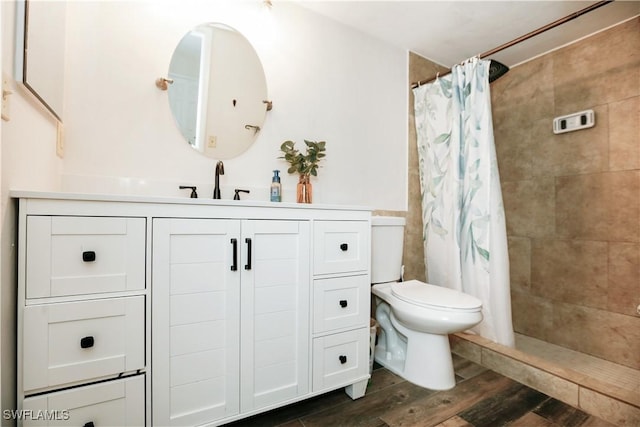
(435, 297)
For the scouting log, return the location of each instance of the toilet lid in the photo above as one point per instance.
(432, 296)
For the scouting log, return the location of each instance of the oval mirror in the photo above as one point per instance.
(219, 92)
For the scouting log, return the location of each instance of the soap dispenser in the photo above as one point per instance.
(276, 187)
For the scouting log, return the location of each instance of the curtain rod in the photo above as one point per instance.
(527, 36)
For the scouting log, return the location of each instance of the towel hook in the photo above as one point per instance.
(161, 83)
(256, 129)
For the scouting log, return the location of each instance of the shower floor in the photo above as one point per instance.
(601, 370)
(604, 389)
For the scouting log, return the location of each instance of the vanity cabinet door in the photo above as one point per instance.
(195, 320)
(275, 297)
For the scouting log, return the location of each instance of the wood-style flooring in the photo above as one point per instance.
(481, 398)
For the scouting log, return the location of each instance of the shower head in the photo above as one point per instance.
(496, 70)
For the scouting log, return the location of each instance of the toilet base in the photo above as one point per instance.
(422, 359)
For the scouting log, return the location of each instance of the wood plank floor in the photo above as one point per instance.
(481, 398)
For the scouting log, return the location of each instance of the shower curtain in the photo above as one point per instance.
(464, 233)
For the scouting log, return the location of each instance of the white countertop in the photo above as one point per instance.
(28, 194)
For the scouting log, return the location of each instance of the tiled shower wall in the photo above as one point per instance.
(572, 201)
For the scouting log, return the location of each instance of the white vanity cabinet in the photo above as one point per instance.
(231, 315)
(81, 319)
(161, 311)
(341, 288)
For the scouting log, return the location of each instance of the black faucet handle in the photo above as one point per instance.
(194, 194)
(237, 195)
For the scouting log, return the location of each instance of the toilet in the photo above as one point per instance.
(415, 318)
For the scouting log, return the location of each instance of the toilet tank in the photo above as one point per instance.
(387, 238)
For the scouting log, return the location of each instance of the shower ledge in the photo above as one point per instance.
(602, 399)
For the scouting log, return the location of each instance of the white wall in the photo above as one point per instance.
(327, 82)
(28, 161)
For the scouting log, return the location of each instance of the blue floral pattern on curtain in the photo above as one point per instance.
(464, 224)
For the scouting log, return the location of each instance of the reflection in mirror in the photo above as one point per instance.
(40, 51)
(218, 91)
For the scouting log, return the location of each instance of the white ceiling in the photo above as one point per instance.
(448, 32)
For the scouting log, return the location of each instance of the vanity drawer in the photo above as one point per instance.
(84, 255)
(111, 403)
(79, 341)
(341, 302)
(340, 246)
(340, 358)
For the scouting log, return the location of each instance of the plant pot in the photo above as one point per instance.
(304, 189)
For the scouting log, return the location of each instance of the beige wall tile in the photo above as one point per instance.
(602, 206)
(571, 271)
(623, 292)
(540, 380)
(519, 262)
(611, 410)
(525, 93)
(583, 151)
(466, 349)
(598, 70)
(422, 69)
(611, 336)
(382, 212)
(624, 205)
(531, 315)
(582, 210)
(516, 142)
(624, 134)
(529, 207)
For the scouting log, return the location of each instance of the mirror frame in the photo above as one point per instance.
(222, 115)
(47, 88)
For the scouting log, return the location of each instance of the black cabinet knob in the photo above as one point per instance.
(343, 303)
(344, 246)
(87, 342)
(89, 424)
(88, 256)
(343, 359)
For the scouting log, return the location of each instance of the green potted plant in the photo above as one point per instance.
(304, 165)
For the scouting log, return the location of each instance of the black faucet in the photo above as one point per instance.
(238, 191)
(194, 194)
(219, 171)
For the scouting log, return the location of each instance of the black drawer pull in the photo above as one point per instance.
(88, 256)
(234, 242)
(343, 359)
(87, 342)
(344, 246)
(343, 303)
(247, 266)
(89, 424)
